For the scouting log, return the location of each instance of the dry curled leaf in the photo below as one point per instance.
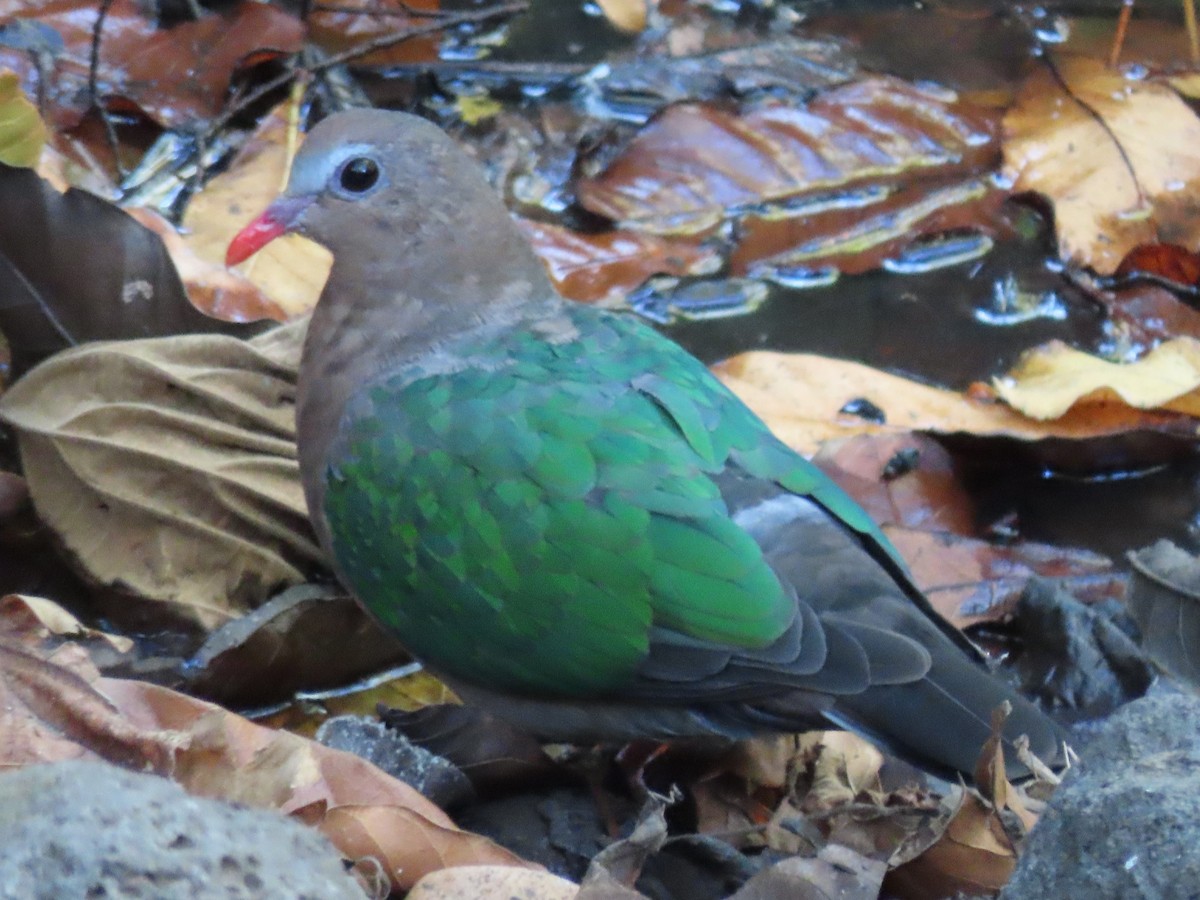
(59, 708)
(168, 467)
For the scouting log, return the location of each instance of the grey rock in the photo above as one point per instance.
(434, 776)
(1126, 822)
(90, 830)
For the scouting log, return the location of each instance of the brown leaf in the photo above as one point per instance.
(271, 653)
(168, 467)
(970, 581)
(1116, 156)
(693, 163)
(76, 268)
(973, 856)
(1164, 600)
(363, 811)
(608, 265)
(836, 871)
(178, 76)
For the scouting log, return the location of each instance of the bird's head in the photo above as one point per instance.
(377, 178)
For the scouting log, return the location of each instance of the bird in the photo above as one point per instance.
(563, 514)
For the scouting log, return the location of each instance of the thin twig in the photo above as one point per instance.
(403, 10)
(364, 49)
(110, 130)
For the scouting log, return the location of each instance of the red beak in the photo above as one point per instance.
(278, 219)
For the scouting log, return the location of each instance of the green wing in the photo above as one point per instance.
(524, 522)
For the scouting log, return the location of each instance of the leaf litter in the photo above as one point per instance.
(602, 261)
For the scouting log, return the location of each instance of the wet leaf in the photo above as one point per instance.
(340, 28)
(79, 269)
(22, 133)
(693, 163)
(177, 76)
(167, 467)
(610, 264)
(287, 274)
(1164, 599)
(927, 495)
(1051, 380)
(970, 581)
(802, 396)
(1168, 261)
(1116, 156)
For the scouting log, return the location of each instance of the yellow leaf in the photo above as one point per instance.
(1051, 379)
(1117, 158)
(22, 132)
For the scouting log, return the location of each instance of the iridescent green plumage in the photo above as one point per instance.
(553, 500)
(564, 514)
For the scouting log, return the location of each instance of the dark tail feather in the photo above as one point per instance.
(942, 721)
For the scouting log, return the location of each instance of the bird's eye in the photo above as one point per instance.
(359, 175)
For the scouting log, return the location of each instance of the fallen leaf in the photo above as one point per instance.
(969, 581)
(1116, 156)
(626, 15)
(59, 708)
(22, 132)
(835, 871)
(1052, 379)
(38, 618)
(282, 647)
(973, 856)
(168, 468)
(179, 76)
(801, 396)
(610, 264)
(76, 268)
(1164, 600)
(693, 163)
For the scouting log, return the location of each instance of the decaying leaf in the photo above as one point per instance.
(59, 708)
(1165, 602)
(283, 647)
(168, 467)
(1053, 379)
(693, 163)
(801, 397)
(38, 618)
(1116, 156)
